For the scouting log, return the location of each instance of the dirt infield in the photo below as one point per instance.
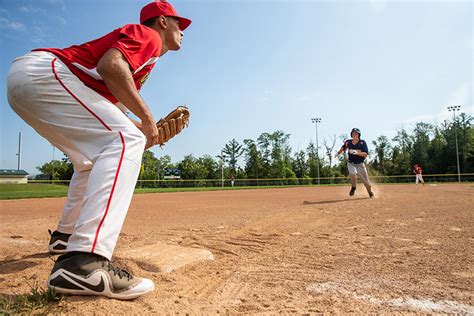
(302, 250)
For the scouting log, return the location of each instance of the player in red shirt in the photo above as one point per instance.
(418, 174)
(78, 98)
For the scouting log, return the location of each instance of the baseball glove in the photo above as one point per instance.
(172, 124)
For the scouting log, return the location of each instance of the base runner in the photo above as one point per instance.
(358, 151)
(77, 98)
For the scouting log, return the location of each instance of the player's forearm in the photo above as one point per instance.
(137, 124)
(363, 154)
(116, 74)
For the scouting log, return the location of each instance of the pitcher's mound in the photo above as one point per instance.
(161, 257)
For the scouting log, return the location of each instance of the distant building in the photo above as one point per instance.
(13, 176)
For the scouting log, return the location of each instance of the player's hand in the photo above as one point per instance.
(150, 130)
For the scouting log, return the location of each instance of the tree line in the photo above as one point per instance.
(431, 146)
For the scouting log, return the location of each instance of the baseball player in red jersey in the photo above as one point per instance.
(77, 98)
(418, 174)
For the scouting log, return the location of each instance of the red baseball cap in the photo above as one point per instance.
(157, 8)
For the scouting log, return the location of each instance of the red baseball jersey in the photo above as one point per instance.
(417, 170)
(139, 44)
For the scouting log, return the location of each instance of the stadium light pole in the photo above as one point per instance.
(222, 167)
(453, 109)
(317, 120)
(52, 176)
(19, 151)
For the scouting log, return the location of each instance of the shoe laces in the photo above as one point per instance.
(117, 271)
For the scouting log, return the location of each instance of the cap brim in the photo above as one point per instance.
(184, 23)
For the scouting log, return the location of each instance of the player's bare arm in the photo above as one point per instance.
(115, 71)
(343, 148)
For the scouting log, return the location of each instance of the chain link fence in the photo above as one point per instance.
(429, 178)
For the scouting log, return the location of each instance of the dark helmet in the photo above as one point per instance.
(355, 129)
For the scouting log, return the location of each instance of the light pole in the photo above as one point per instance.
(19, 151)
(222, 167)
(52, 176)
(453, 109)
(317, 120)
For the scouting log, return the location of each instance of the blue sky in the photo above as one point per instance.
(248, 67)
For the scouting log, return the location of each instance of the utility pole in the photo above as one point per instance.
(222, 167)
(19, 151)
(453, 109)
(52, 163)
(317, 120)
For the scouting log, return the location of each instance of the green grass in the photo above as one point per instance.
(38, 302)
(193, 189)
(36, 190)
(26, 191)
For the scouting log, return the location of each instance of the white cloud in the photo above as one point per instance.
(7, 24)
(58, 3)
(439, 117)
(61, 20)
(29, 9)
(461, 96)
(38, 34)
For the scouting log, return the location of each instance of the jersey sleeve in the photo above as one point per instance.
(138, 44)
(365, 148)
(344, 146)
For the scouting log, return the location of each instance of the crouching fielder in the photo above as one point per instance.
(358, 151)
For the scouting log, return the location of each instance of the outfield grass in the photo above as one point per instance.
(28, 191)
(36, 190)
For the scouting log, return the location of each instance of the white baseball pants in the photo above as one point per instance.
(104, 146)
(419, 177)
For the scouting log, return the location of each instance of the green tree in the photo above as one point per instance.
(264, 147)
(211, 166)
(253, 160)
(464, 128)
(191, 169)
(149, 167)
(58, 169)
(299, 165)
(280, 153)
(233, 150)
(421, 144)
(438, 154)
(313, 160)
(163, 163)
(402, 152)
(383, 149)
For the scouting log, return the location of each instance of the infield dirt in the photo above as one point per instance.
(301, 250)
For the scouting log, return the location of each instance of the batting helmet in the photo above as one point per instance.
(355, 129)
